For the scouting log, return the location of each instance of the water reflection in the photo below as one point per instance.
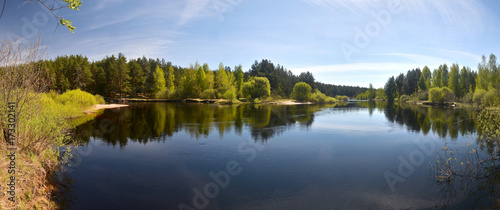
(442, 121)
(145, 122)
(471, 169)
(309, 148)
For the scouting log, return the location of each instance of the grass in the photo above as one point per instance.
(42, 128)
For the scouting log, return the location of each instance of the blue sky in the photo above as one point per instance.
(346, 42)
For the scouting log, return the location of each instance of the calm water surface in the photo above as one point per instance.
(196, 156)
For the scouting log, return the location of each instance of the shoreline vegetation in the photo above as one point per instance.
(452, 86)
(51, 97)
(42, 146)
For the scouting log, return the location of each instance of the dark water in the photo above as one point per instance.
(197, 156)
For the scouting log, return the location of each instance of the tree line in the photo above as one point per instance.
(117, 76)
(452, 83)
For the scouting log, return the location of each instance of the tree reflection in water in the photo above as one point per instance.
(145, 122)
(471, 170)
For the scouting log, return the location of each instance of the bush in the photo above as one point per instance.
(423, 95)
(99, 99)
(341, 98)
(478, 96)
(77, 98)
(229, 94)
(435, 95)
(490, 98)
(301, 91)
(404, 98)
(467, 98)
(256, 87)
(209, 94)
(164, 94)
(440, 95)
(319, 97)
(447, 94)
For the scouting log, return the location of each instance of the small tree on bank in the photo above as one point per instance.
(301, 91)
(256, 87)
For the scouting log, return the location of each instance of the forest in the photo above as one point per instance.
(115, 77)
(444, 84)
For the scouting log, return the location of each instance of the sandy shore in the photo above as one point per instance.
(290, 102)
(104, 106)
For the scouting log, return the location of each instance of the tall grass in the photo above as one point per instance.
(42, 129)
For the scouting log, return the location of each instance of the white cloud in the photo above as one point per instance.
(206, 8)
(353, 67)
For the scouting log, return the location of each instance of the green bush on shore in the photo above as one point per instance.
(404, 98)
(341, 98)
(77, 98)
(320, 97)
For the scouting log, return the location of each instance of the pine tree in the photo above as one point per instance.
(390, 89)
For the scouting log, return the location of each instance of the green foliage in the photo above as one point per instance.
(165, 94)
(447, 94)
(301, 91)
(479, 95)
(209, 94)
(341, 98)
(380, 94)
(238, 78)
(453, 84)
(99, 99)
(319, 97)
(221, 80)
(229, 94)
(77, 98)
(435, 95)
(158, 80)
(256, 87)
(491, 98)
(371, 92)
(404, 98)
(423, 95)
(468, 98)
(363, 96)
(440, 95)
(390, 89)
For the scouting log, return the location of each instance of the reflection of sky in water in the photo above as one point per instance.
(337, 162)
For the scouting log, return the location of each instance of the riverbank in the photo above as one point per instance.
(213, 101)
(33, 155)
(103, 106)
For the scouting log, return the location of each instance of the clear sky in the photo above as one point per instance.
(346, 42)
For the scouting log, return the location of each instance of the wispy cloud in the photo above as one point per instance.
(206, 8)
(353, 67)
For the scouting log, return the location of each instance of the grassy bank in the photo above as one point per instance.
(41, 128)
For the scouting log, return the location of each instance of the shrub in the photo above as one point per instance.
(165, 93)
(423, 95)
(404, 98)
(490, 98)
(447, 94)
(99, 99)
(301, 91)
(435, 95)
(229, 94)
(341, 98)
(319, 97)
(478, 96)
(467, 98)
(256, 87)
(209, 94)
(77, 98)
